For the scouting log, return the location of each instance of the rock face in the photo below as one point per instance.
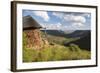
(34, 39)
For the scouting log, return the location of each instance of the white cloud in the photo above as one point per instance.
(52, 26)
(78, 24)
(73, 18)
(87, 15)
(42, 14)
(80, 19)
(58, 25)
(75, 21)
(71, 21)
(59, 15)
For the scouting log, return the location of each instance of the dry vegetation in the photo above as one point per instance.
(54, 52)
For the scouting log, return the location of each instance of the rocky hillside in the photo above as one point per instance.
(38, 47)
(33, 39)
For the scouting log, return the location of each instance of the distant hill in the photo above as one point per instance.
(78, 37)
(79, 33)
(67, 33)
(84, 42)
(54, 32)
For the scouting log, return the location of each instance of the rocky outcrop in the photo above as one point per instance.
(34, 39)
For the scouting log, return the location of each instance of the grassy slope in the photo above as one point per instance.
(54, 52)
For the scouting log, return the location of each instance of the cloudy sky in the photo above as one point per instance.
(61, 20)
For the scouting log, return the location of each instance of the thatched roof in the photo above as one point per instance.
(30, 23)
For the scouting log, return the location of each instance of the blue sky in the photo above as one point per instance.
(61, 20)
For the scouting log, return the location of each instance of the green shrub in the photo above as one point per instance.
(24, 40)
(75, 47)
(45, 55)
(77, 53)
(29, 55)
(59, 53)
(86, 54)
